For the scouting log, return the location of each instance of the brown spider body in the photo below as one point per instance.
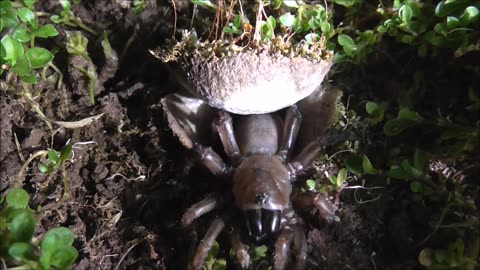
(261, 171)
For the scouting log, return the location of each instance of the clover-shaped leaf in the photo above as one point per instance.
(21, 225)
(17, 198)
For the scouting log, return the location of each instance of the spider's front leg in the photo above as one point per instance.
(290, 132)
(292, 232)
(206, 244)
(310, 200)
(282, 248)
(227, 136)
(299, 246)
(305, 157)
(212, 161)
(241, 251)
(200, 208)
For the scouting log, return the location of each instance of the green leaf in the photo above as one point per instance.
(12, 48)
(22, 67)
(381, 29)
(339, 58)
(326, 28)
(65, 4)
(312, 38)
(446, 8)
(333, 179)
(375, 110)
(39, 57)
(421, 161)
(406, 114)
(65, 153)
(434, 39)
(292, 4)
(346, 42)
(53, 156)
(395, 126)
(237, 22)
(17, 198)
(416, 186)
(368, 166)
(397, 173)
(21, 251)
(22, 225)
(371, 107)
(30, 3)
(311, 184)
(46, 31)
(220, 264)
(227, 29)
(407, 39)
(452, 22)
(43, 168)
(341, 177)
(287, 19)
(345, 3)
(29, 78)
(354, 163)
(56, 19)
(203, 3)
(57, 238)
(63, 258)
(27, 16)
(273, 22)
(405, 13)
(469, 16)
(260, 251)
(9, 15)
(21, 34)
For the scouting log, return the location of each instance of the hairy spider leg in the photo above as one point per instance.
(212, 161)
(282, 248)
(241, 251)
(310, 200)
(206, 244)
(305, 157)
(290, 132)
(227, 136)
(200, 208)
(299, 246)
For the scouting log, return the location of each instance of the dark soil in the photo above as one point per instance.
(131, 180)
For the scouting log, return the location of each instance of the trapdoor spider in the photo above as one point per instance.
(261, 175)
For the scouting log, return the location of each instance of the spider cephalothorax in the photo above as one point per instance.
(261, 174)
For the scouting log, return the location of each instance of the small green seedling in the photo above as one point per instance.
(18, 52)
(416, 171)
(234, 27)
(212, 262)
(376, 112)
(267, 29)
(360, 165)
(56, 159)
(17, 247)
(406, 118)
(139, 6)
(453, 257)
(77, 45)
(311, 184)
(67, 17)
(339, 179)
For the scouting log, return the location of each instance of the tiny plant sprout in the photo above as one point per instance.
(18, 50)
(340, 178)
(56, 159)
(311, 184)
(17, 248)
